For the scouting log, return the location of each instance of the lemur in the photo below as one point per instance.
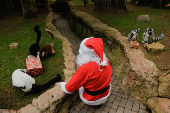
(34, 48)
(48, 47)
(133, 35)
(21, 79)
(149, 36)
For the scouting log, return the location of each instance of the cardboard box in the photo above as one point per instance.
(13, 46)
(34, 66)
(134, 44)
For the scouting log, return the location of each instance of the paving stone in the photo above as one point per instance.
(125, 96)
(115, 104)
(83, 110)
(86, 106)
(129, 111)
(118, 98)
(129, 104)
(106, 108)
(79, 106)
(123, 102)
(92, 108)
(104, 112)
(75, 112)
(109, 104)
(120, 110)
(121, 91)
(111, 98)
(88, 112)
(112, 111)
(135, 106)
(99, 109)
(117, 88)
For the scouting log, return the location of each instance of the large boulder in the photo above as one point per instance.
(143, 18)
(164, 83)
(141, 80)
(159, 105)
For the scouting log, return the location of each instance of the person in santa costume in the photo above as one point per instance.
(93, 77)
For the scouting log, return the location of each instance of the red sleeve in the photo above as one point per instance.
(77, 80)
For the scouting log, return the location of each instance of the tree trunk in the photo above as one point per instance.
(85, 2)
(99, 6)
(29, 9)
(119, 7)
(156, 4)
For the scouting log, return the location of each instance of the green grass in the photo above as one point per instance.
(125, 23)
(19, 30)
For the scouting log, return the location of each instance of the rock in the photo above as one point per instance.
(164, 83)
(29, 109)
(143, 18)
(155, 47)
(159, 105)
(13, 46)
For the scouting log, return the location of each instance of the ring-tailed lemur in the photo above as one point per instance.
(133, 35)
(149, 36)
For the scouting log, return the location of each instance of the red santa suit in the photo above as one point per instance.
(92, 80)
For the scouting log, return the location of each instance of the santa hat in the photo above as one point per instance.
(97, 45)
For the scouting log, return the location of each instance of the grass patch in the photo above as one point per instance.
(15, 29)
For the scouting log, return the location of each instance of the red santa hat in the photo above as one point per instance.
(97, 45)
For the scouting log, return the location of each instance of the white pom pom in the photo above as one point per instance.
(104, 62)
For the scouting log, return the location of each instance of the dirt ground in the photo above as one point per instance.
(160, 59)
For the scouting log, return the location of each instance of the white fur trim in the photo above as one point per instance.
(97, 102)
(104, 62)
(62, 84)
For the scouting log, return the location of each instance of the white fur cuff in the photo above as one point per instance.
(62, 84)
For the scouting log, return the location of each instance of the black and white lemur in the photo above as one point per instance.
(24, 81)
(34, 48)
(48, 48)
(149, 36)
(133, 35)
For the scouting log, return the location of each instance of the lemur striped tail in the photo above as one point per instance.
(159, 38)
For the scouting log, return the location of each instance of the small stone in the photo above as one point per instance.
(13, 46)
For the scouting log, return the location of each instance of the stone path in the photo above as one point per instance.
(118, 102)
